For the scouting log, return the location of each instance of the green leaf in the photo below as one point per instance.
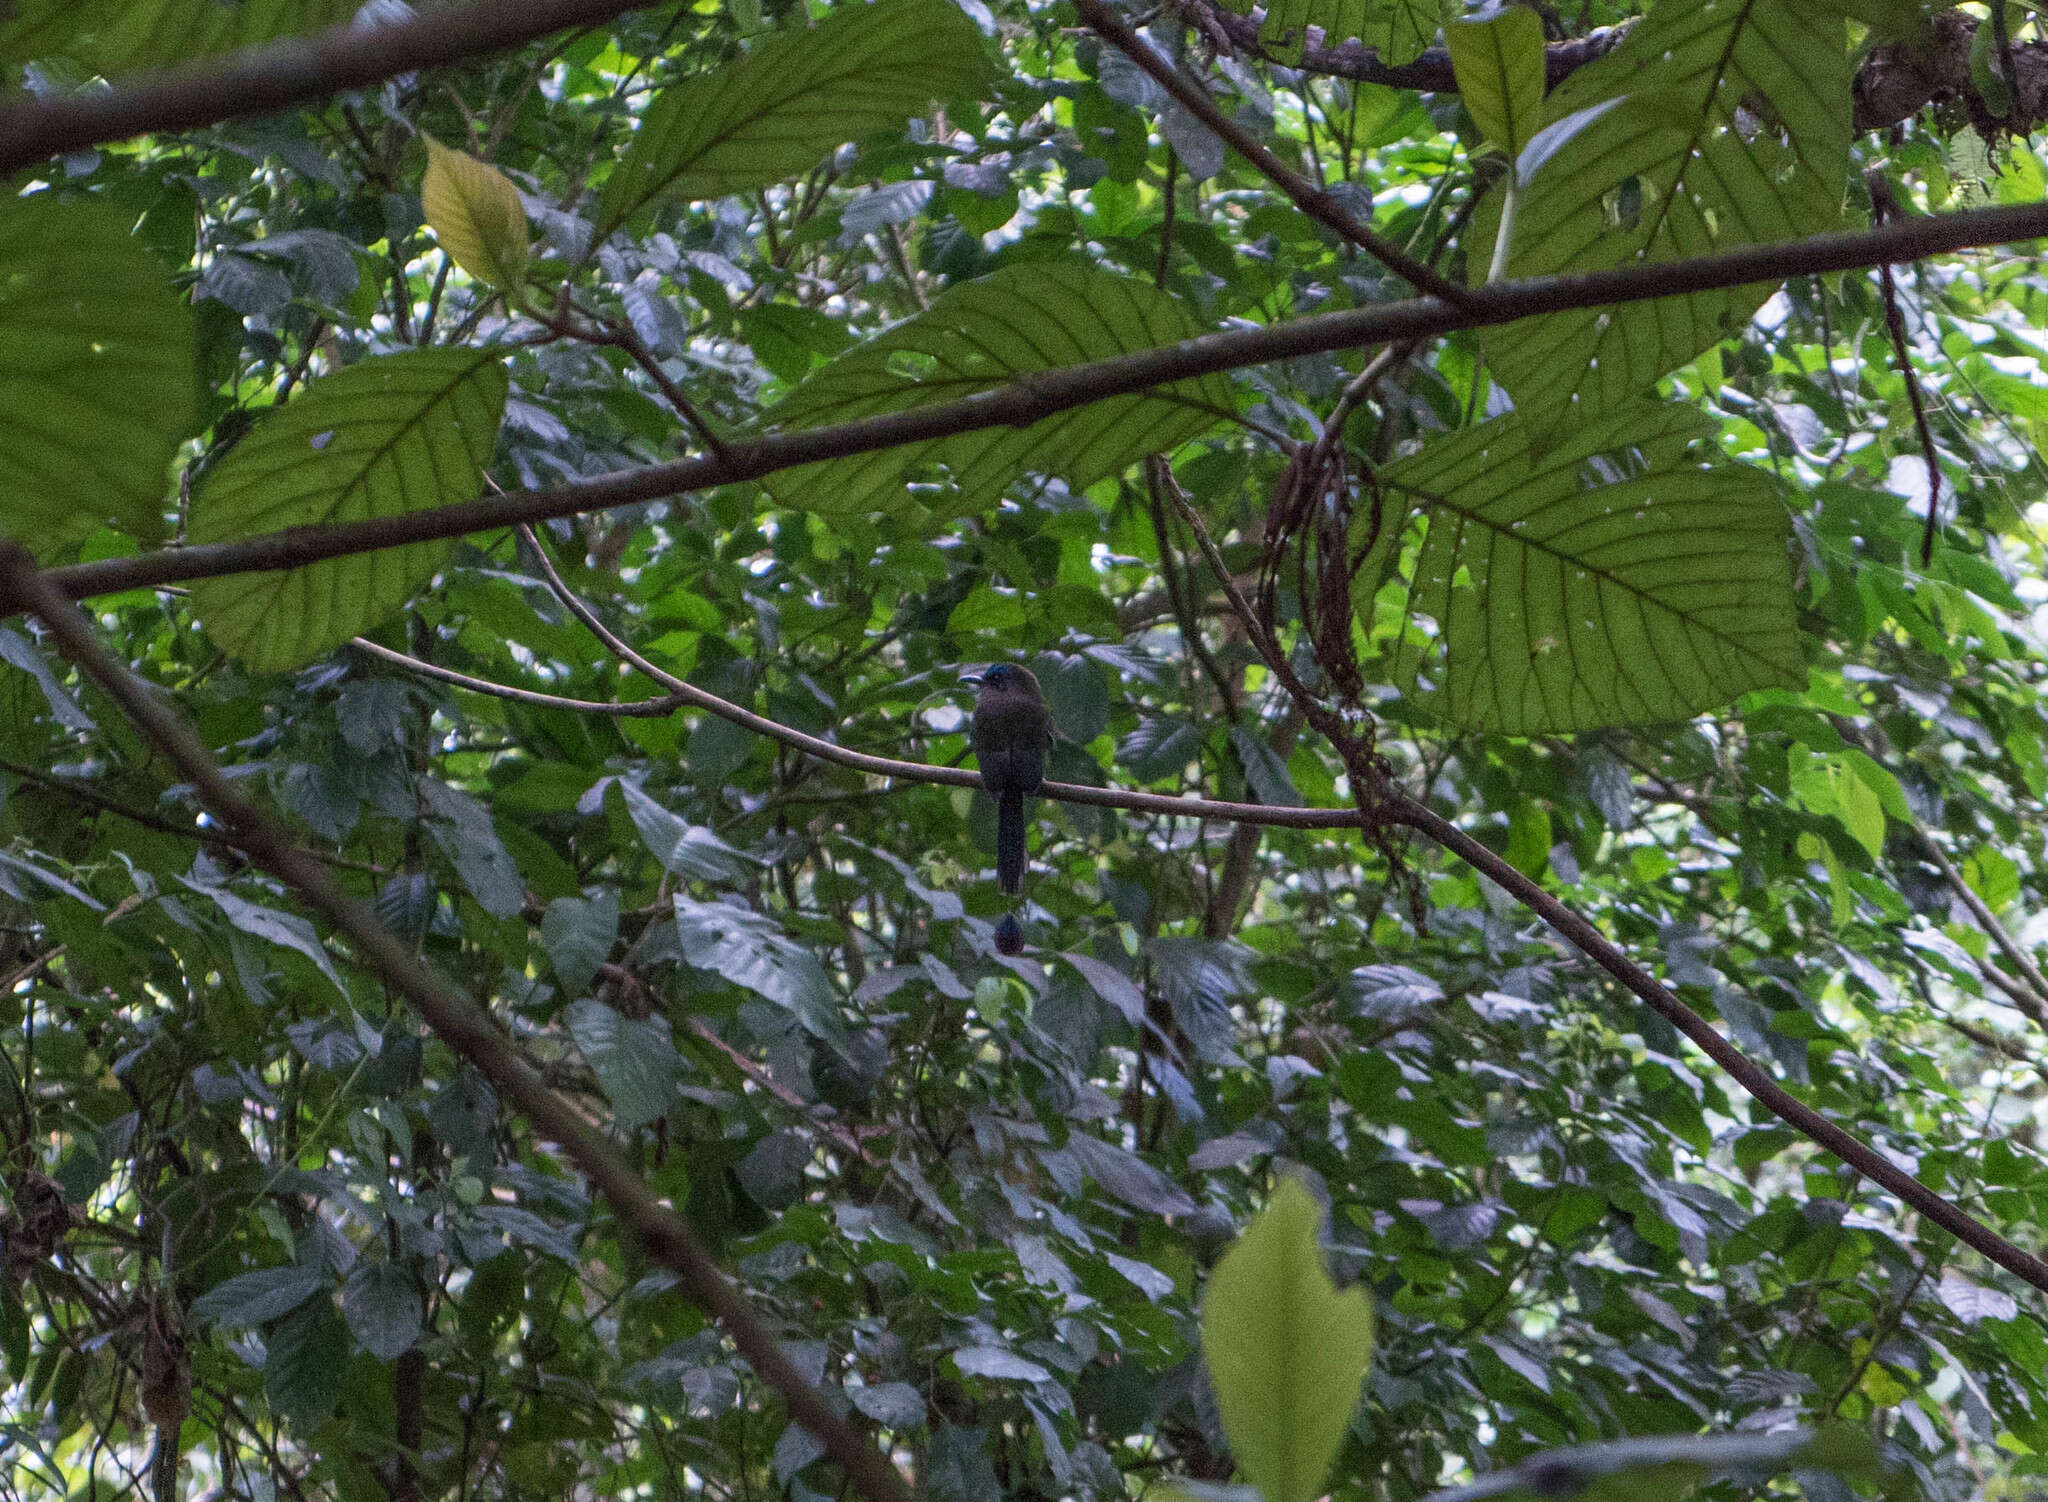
(391, 435)
(634, 1059)
(578, 933)
(793, 99)
(114, 36)
(474, 211)
(257, 1298)
(1673, 172)
(748, 949)
(304, 1362)
(1286, 1351)
(1399, 30)
(381, 1303)
(1498, 61)
(1618, 580)
(96, 383)
(977, 337)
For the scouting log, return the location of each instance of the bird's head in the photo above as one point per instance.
(1004, 678)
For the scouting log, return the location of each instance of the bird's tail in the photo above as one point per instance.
(1010, 843)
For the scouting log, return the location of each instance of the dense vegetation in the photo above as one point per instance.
(1619, 703)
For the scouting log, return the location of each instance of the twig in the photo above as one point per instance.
(2036, 1005)
(1313, 201)
(465, 1028)
(647, 709)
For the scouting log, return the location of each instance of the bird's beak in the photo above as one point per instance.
(973, 678)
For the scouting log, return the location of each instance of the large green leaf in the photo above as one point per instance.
(95, 375)
(1286, 1351)
(385, 437)
(1499, 64)
(790, 101)
(1618, 580)
(1724, 125)
(1399, 30)
(981, 335)
(116, 36)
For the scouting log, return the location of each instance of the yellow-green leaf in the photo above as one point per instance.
(1498, 60)
(1286, 1351)
(475, 213)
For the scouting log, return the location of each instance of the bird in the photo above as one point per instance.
(1010, 730)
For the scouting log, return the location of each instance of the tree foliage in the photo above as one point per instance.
(1293, 1147)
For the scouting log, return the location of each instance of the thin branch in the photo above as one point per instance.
(1395, 806)
(1043, 394)
(1313, 201)
(917, 771)
(464, 1027)
(2035, 1006)
(647, 709)
(257, 80)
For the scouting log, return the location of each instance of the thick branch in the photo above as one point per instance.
(257, 80)
(1045, 394)
(461, 1024)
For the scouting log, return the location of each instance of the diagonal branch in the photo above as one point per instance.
(463, 1026)
(257, 80)
(1378, 796)
(1044, 394)
(1319, 204)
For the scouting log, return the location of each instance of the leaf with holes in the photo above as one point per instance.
(386, 437)
(95, 375)
(475, 213)
(1618, 580)
(116, 36)
(1399, 30)
(788, 103)
(1733, 129)
(977, 337)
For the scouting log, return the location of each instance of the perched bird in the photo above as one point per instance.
(1011, 731)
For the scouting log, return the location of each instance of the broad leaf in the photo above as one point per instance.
(115, 36)
(381, 1303)
(95, 375)
(789, 102)
(1499, 64)
(1673, 1465)
(981, 335)
(1286, 1351)
(1734, 130)
(634, 1059)
(1617, 581)
(475, 213)
(388, 436)
(1399, 30)
(257, 1298)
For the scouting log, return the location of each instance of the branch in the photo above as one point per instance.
(917, 771)
(257, 80)
(1894, 83)
(646, 709)
(464, 1027)
(1024, 401)
(1392, 805)
(2035, 1005)
(1313, 201)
